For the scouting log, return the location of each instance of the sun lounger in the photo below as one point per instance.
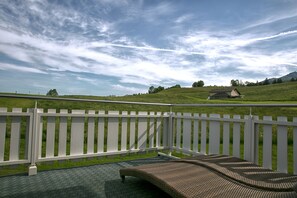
(215, 176)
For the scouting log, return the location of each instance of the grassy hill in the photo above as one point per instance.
(274, 93)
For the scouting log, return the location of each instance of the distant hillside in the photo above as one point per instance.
(274, 92)
(285, 78)
(289, 76)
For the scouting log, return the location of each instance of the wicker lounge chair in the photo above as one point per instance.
(215, 176)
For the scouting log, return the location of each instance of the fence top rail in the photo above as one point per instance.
(144, 103)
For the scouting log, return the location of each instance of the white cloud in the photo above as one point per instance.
(183, 18)
(67, 57)
(273, 18)
(130, 90)
(160, 66)
(104, 44)
(18, 68)
(153, 13)
(147, 12)
(275, 36)
(88, 80)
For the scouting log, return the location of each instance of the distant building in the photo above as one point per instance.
(224, 93)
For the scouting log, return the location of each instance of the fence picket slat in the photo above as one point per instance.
(77, 133)
(124, 132)
(214, 135)
(247, 138)
(91, 132)
(151, 131)
(15, 135)
(178, 131)
(203, 134)
(28, 138)
(158, 130)
(50, 134)
(132, 130)
(196, 133)
(2, 133)
(142, 131)
(112, 132)
(40, 132)
(165, 131)
(236, 137)
(100, 136)
(187, 132)
(63, 133)
(256, 140)
(267, 143)
(226, 136)
(282, 146)
(295, 146)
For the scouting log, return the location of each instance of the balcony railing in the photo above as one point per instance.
(39, 135)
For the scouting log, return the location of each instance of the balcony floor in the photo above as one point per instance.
(91, 181)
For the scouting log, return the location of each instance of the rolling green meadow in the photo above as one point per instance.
(268, 94)
(283, 93)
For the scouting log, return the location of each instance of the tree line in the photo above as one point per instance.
(153, 89)
(237, 82)
(233, 82)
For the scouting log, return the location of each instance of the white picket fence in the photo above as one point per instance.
(39, 135)
(203, 134)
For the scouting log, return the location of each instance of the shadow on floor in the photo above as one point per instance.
(133, 187)
(76, 191)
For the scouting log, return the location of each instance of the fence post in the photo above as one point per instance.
(250, 141)
(32, 170)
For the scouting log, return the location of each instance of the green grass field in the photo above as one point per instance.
(268, 94)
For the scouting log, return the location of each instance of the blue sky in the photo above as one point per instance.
(118, 47)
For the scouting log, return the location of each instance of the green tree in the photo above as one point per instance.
(176, 86)
(158, 89)
(52, 92)
(279, 80)
(247, 83)
(266, 82)
(152, 89)
(234, 83)
(199, 83)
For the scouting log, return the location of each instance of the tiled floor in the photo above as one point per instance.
(91, 181)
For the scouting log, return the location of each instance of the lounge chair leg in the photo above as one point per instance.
(123, 178)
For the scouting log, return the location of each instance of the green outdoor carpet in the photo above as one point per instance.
(91, 181)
